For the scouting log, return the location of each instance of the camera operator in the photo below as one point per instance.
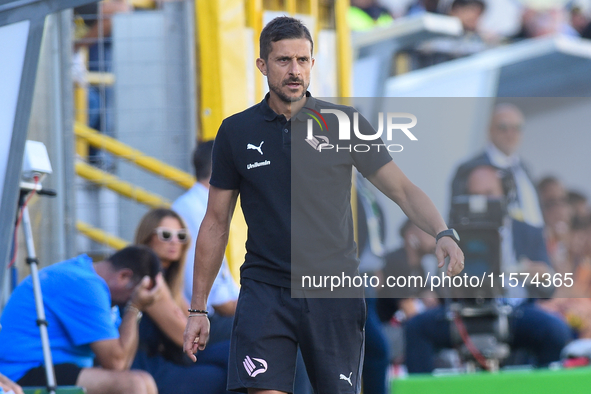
(531, 328)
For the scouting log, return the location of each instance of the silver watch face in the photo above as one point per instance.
(456, 235)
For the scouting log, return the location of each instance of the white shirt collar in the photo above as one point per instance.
(499, 159)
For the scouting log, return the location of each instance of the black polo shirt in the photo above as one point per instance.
(296, 210)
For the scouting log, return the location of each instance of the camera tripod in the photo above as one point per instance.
(33, 263)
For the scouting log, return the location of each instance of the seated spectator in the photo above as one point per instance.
(422, 6)
(412, 259)
(396, 305)
(543, 22)
(366, 14)
(442, 49)
(468, 12)
(567, 236)
(8, 385)
(531, 328)
(191, 206)
(578, 246)
(578, 205)
(160, 350)
(78, 296)
(557, 217)
(579, 21)
(572, 303)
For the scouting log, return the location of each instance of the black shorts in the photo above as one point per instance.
(270, 325)
(65, 375)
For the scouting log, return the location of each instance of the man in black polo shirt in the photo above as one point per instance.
(297, 207)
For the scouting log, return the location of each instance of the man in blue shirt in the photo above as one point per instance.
(78, 297)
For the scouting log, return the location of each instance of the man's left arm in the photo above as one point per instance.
(419, 208)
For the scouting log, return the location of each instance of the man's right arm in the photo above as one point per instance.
(118, 354)
(209, 252)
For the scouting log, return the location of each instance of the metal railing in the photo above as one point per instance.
(100, 236)
(134, 156)
(119, 186)
(218, 97)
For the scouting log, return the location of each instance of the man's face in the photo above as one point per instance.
(469, 15)
(121, 285)
(288, 68)
(555, 206)
(485, 181)
(505, 130)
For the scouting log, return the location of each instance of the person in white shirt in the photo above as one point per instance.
(191, 206)
(501, 152)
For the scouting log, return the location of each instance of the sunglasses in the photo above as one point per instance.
(166, 234)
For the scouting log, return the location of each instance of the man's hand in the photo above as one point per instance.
(8, 385)
(447, 247)
(143, 296)
(196, 335)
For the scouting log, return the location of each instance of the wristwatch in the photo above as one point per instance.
(453, 234)
(139, 314)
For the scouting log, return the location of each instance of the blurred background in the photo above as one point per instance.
(125, 90)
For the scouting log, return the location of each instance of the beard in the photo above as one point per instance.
(282, 96)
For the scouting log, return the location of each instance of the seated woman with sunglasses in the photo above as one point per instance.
(160, 351)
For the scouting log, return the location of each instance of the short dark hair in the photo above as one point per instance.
(282, 28)
(505, 177)
(465, 3)
(202, 160)
(140, 259)
(546, 182)
(575, 197)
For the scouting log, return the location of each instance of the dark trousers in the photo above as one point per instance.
(539, 332)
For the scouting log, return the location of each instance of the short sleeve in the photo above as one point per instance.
(85, 311)
(224, 173)
(367, 163)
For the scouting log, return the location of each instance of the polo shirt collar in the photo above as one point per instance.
(310, 103)
(270, 115)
